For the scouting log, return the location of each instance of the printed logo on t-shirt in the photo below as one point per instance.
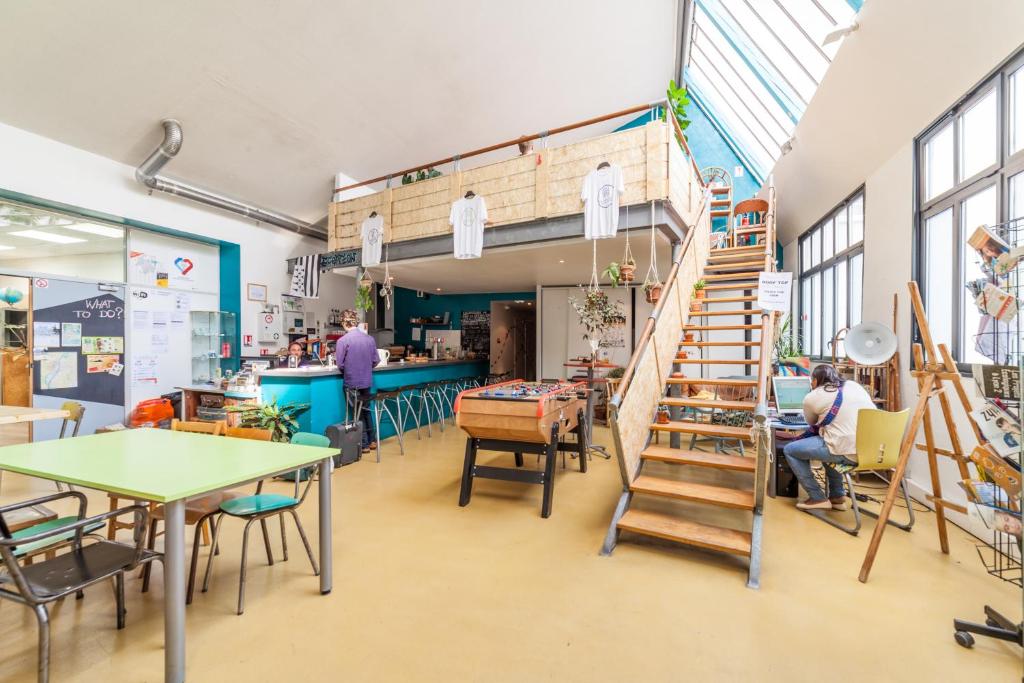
(373, 235)
(604, 196)
(468, 217)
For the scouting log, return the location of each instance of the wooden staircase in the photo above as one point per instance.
(710, 466)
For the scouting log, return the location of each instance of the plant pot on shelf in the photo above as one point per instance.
(653, 292)
(688, 337)
(663, 416)
(695, 306)
(682, 355)
(700, 294)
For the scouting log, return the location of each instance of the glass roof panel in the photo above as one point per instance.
(755, 64)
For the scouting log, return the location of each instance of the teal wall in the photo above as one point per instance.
(407, 305)
(231, 290)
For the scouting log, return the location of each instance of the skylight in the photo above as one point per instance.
(755, 64)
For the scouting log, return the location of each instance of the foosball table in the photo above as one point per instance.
(521, 417)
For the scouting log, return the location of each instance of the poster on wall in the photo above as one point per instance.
(74, 317)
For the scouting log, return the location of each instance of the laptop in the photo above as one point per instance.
(789, 397)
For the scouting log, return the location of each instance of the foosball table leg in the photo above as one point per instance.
(467, 472)
(549, 472)
(519, 459)
(581, 441)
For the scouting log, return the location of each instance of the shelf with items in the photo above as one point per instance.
(214, 345)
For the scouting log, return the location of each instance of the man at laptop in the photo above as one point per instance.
(831, 409)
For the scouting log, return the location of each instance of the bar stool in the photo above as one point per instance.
(379, 407)
(433, 395)
(407, 393)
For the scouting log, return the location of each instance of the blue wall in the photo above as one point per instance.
(408, 305)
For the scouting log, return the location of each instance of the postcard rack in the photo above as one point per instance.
(999, 337)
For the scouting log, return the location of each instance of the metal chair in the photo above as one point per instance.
(879, 436)
(256, 509)
(199, 511)
(38, 584)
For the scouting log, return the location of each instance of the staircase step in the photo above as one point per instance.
(726, 251)
(702, 429)
(715, 213)
(732, 286)
(698, 493)
(732, 276)
(751, 226)
(680, 402)
(680, 456)
(698, 328)
(713, 381)
(689, 533)
(724, 265)
(719, 189)
(741, 311)
(721, 202)
(716, 361)
(726, 299)
(720, 343)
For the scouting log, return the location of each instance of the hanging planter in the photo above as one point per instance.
(652, 291)
(627, 271)
(652, 281)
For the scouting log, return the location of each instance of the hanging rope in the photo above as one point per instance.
(595, 284)
(627, 256)
(652, 277)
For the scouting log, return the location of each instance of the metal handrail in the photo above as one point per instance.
(536, 136)
(652, 319)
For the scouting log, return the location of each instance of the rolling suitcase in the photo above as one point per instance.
(348, 438)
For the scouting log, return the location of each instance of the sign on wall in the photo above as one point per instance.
(156, 260)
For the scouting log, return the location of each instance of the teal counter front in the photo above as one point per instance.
(323, 389)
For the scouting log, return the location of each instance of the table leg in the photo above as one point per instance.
(326, 554)
(174, 591)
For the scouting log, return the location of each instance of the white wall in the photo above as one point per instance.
(34, 165)
(934, 66)
(100, 266)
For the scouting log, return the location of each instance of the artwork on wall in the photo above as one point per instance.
(255, 292)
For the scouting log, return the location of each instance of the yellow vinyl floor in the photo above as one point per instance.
(427, 591)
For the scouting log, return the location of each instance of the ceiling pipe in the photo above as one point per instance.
(146, 173)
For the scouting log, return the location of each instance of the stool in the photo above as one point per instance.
(433, 395)
(407, 393)
(380, 407)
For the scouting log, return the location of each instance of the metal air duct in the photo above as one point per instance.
(147, 171)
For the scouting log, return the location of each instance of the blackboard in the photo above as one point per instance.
(476, 332)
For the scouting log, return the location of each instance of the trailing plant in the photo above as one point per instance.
(421, 174)
(364, 298)
(678, 101)
(280, 420)
(596, 312)
(788, 344)
(614, 273)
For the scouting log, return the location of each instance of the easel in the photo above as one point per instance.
(932, 370)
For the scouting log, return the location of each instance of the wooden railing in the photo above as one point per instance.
(632, 408)
(543, 184)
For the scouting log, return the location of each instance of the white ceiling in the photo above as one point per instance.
(566, 262)
(275, 97)
(893, 76)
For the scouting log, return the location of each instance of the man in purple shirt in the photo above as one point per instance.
(356, 355)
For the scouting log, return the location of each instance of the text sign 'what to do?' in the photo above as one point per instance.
(774, 291)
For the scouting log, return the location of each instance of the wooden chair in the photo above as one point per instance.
(755, 227)
(212, 428)
(198, 511)
(76, 411)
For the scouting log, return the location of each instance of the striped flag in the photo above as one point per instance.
(306, 277)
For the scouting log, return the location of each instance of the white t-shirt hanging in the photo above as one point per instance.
(467, 219)
(601, 191)
(373, 238)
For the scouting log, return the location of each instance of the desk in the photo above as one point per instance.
(129, 464)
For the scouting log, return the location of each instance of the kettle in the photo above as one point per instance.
(384, 355)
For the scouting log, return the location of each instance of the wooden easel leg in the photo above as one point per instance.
(933, 461)
(894, 484)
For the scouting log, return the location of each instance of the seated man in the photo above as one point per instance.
(831, 409)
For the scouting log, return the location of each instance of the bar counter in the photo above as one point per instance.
(323, 388)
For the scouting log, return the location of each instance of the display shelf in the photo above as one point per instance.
(214, 344)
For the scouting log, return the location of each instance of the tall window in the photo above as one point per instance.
(831, 276)
(970, 170)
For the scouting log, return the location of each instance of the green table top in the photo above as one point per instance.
(157, 464)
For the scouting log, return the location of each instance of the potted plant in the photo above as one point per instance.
(279, 419)
(364, 298)
(698, 289)
(688, 336)
(597, 314)
(682, 355)
(786, 344)
(627, 270)
(695, 306)
(652, 291)
(614, 273)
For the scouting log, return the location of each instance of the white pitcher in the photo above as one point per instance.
(384, 355)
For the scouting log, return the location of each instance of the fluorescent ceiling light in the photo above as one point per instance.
(45, 236)
(4, 247)
(101, 230)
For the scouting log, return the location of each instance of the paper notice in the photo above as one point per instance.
(773, 291)
(144, 370)
(71, 333)
(101, 363)
(178, 321)
(58, 370)
(160, 342)
(140, 320)
(46, 335)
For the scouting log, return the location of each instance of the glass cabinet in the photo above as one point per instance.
(214, 345)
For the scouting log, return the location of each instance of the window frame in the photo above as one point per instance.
(847, 255)
(1006, 166)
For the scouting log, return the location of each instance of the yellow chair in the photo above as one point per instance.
(879, 437)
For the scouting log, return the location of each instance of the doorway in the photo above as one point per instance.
(15, 358)
(513, 340)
